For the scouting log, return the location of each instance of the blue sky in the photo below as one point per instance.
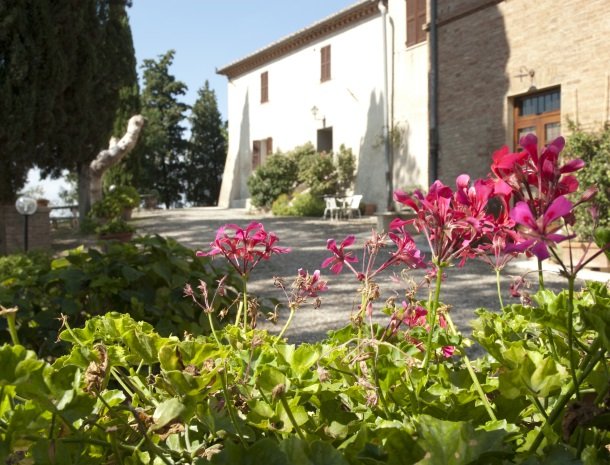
(207, 35)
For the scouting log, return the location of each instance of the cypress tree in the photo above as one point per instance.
(163, 146)
(207, 149)
(62, 67)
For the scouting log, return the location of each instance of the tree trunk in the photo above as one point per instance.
(111, 156)
(83, 188)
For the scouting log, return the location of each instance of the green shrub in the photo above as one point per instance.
(318, 172)
(594, 149)
(346, 169)
(281, 206)
(278, 175)
(115, 202)
(144, 278)
(307, 204)
(319, 175)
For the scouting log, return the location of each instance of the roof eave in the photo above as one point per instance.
(341, 20)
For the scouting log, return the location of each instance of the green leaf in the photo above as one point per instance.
(304, 358)
(402, 448)
(270, 377)
(167, 411)
(457, 443)
(597, 318)
(131, 274)
(314, 453)
(265, 452)
(530, 372)
(602, 239)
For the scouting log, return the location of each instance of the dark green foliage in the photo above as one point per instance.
(594, 149)
(346, 169)
(207, 150)
(319, 173)
(109, 215)
(278, 175)
(303, 204)
(316, 170)
(62, 68)
(308, 204)
(163, 143)
(281, 206)
(144, 278)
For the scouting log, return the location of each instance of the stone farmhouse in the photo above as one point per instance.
(419, 89)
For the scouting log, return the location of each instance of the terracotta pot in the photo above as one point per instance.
(124, 236)
(370, 208)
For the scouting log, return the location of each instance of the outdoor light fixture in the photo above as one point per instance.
(25, 206)
(314, 111)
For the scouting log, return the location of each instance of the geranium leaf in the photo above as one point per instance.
(167, 411)
(457, 443)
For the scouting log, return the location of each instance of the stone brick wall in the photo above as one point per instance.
(12, 230)
(484, 48)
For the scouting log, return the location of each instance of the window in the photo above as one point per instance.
(264, 87)
(416, 20)
(538, 114)
(325, 63)
(325, 140)
(260, 150)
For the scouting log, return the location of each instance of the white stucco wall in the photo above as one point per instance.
(410, 105)
(351, 103)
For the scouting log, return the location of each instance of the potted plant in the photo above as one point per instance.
(116, 229)
(594, 149)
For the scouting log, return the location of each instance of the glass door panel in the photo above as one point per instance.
(551, 132)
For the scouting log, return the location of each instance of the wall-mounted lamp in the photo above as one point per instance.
(314, 112)
(525, 72)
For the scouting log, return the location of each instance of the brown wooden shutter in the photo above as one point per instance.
(264, 87)
(416, 20)
(256, 154)
(269, 145)
(325, 63)
(411, 23)
(421, 21)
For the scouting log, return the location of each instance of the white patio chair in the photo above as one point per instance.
(354, 206)
(332, 209)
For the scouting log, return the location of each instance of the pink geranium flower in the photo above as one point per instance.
(540, 232)
(244, 248)
(310, 285)
(340, 256)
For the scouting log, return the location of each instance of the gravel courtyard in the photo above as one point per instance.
(465, 289)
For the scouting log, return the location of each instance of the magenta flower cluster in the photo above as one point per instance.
(244, 248)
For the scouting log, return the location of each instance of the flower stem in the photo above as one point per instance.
(540, 275)
(212, 327)
(288, 321)
(245, 305)
(12, 328)
(499, 288)
(230, 405)
(571, 332)
(432, 306)
(295, 425)
(589, 363)
(473, 375)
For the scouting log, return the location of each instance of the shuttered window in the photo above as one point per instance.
(260, 150)
(264, 87)
(325, 63)
(416, 20)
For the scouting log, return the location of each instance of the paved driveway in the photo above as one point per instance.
(465, 289)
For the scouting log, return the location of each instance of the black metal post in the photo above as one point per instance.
(25, 232)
